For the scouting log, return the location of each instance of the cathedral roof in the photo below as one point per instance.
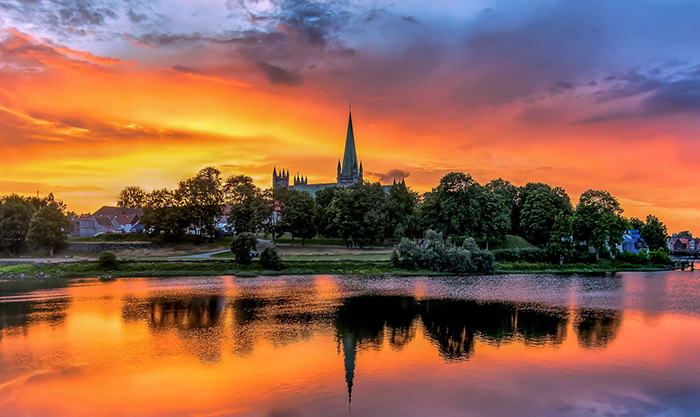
(350, 154)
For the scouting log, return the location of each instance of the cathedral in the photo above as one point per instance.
(348, 173)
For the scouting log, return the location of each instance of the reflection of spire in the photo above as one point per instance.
(349, 352)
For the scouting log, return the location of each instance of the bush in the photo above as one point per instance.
(107, 260)
(632, 258)
(659, 257)
(432, 254)
(270, 259)
(242, 245)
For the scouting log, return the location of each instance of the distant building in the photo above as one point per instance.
(109, 219)
(348, 172)
(678, 243)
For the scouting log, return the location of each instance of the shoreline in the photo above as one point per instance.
(184, 268)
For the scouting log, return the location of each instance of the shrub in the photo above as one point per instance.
(242, 245)
(659, 257)
(632, 258)
(270, 259)
(432, 254)
(107, 260)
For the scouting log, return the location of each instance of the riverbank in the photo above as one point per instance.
(223, 267)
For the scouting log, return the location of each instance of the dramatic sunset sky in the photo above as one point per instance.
(96, 95)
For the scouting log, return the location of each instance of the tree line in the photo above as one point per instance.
(365, 214)
(33, 222)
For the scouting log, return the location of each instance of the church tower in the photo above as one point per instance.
(349, 173)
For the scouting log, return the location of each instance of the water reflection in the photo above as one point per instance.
(291, 337)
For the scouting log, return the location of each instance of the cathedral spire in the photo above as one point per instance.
(350, 155)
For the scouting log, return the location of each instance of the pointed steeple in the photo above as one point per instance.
(274, 171)
(349, 353)
(350, 155)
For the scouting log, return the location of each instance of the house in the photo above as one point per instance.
(680, 244)
(629, 241)
(109, 219)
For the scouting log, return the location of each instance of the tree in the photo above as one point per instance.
(401, 212)
(298, 215)
(684, 233)
(242, 245)
(510, 194)
(636, 224)
(560, 245)
(654, 233)
(15, 217)
(203, 198)
(452, 207)
(357, 213)
(495, 214)
(540, 204)
(250, 210)
(165, 213)
(598, 221)
(132, 197)
(49, 228)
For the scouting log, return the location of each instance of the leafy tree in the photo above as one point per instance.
(203, 198)
(39, 203)
(250, 210)
(132, 197)
(560, 245)
(452, 207)
(510, 193)
(684, 233)
(654, 233)
(298, 214)
(165, 213)
(322, 219)
(49, 228)
(495, 214)
(242, 245)
(15, 216)
(540, 204)
(357, 213)
(401, 212)
(636, 224)
(598, 221)
(270, 259)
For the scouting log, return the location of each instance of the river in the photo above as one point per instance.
(532, 345)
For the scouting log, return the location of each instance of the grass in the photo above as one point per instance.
(297, 267)
(380, 257)
(202, 268)
(531, 267)
(510, 242)
(143, 237)
(314, 241)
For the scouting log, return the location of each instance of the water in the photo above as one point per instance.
(534, 345)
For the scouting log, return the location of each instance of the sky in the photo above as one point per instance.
(96, 95)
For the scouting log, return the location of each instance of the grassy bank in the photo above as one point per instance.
(202, 268)
(529, 267)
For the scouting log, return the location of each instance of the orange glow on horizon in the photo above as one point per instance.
(85, 126)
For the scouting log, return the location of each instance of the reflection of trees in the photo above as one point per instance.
(194, 319)
(542, 327)
(247, 314)
(597, 328)
(18, 314)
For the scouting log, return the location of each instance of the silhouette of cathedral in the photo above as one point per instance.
(348, 173)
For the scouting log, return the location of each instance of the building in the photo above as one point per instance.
(109, 219)
(348, 172)
(629, 241)
(682, 243)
